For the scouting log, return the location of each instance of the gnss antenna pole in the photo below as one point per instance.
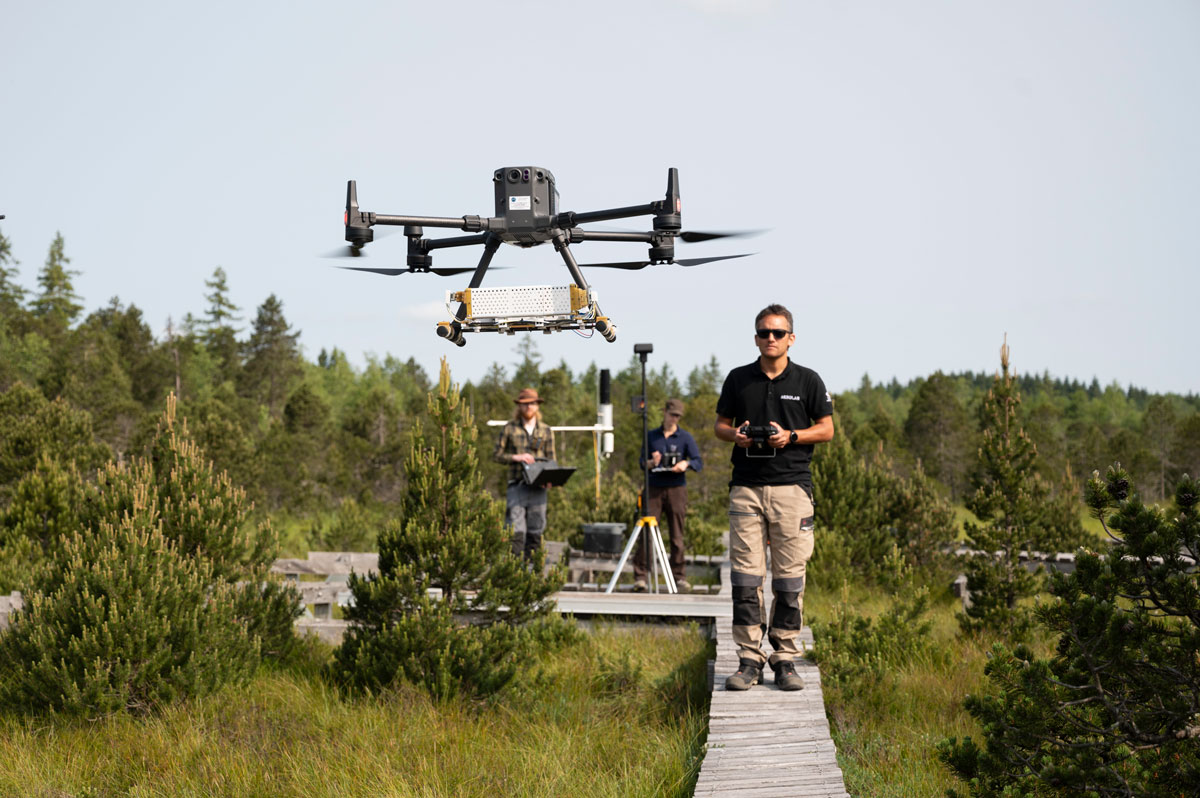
(642, 350)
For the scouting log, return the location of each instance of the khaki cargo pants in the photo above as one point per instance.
(781, 515)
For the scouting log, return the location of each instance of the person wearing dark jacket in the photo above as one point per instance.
(673, 452)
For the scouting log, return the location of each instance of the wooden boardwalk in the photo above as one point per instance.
(765, 742)
(761, 742)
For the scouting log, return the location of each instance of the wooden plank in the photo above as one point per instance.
(643, 604)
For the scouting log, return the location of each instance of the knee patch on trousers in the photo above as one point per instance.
(745, 606)
(786, 614)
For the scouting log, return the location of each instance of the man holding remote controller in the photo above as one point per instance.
(773, 411)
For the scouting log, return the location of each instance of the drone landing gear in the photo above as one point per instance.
(528, 308)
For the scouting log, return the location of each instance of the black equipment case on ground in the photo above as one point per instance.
(604, 538)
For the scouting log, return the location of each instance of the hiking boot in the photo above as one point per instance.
(683, 586)
(639, 586)
(749, 673)
(786, 677)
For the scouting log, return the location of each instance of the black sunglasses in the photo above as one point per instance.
(779, 334)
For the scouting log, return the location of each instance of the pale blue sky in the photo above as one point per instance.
(932, 174)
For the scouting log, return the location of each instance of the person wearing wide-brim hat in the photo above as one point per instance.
(523, 440)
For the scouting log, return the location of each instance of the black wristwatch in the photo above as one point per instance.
(793, 437)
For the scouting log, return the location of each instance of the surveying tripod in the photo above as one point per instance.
(658, 557)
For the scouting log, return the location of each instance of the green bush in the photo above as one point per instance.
(127, 623)
(853, 649)
(449, 538)
(146, 584)
(865, 510)
(352, 527)
(44, 513)
(1114, 710)
(32, 427)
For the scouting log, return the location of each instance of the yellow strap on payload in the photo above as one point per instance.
(579, 298)
(463, 296)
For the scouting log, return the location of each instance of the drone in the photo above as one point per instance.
(527, 215)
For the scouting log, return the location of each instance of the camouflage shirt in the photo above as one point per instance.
(515, 440)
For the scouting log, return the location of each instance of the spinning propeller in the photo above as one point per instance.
(641, 264)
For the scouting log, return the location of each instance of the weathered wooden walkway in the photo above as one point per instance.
(765, 742)
(761, 742)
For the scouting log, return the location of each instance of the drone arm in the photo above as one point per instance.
(577, 235)
(456, 241)
(471, 224)
(571, 219)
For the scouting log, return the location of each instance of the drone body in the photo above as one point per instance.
(528, 202)
(527, 215)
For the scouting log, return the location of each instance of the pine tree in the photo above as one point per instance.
(201, 509)
(218, 333)
(272, 357)
(44, 513)
(866, 510)
(1158, 428)
(32, 427)
(1014, 507)
(124, 622)
(205, 516)
(450, 535)
(1116, 710)
(158, 591)
(57, 306)
(208, 517)
(938, 432)
(88, 371)
(12, 294)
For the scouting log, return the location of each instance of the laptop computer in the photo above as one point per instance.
(543, 473)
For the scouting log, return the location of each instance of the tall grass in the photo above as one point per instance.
(616, 714)
(887, 729)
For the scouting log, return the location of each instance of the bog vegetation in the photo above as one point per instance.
(146, 480)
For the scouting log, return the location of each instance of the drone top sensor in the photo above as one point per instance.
(527, 215)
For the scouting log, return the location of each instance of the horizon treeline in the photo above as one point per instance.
(308, 438)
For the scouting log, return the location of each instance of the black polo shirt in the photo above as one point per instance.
(796, 399)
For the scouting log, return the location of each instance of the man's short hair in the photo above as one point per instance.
(775, 310)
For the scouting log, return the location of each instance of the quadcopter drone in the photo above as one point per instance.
(526, 215)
